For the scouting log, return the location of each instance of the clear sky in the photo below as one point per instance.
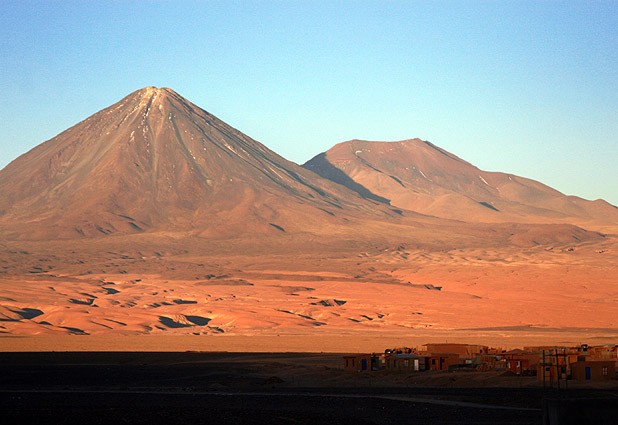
(525, 87)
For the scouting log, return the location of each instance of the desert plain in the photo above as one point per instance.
(333, 298)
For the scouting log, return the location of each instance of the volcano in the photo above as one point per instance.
(155, 161)
(419, 176)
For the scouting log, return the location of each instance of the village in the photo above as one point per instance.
(550, 364)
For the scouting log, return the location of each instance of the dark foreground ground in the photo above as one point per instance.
(196, 388)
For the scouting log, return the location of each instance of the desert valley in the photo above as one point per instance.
(153, 225)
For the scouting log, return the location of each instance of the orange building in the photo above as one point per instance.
(603, 352)
(361, 362)
(443, 361)
(593, 370)
(405, 361)
(521, 362)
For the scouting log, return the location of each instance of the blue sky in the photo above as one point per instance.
(526, 87)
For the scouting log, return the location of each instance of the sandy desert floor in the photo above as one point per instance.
(331, 298)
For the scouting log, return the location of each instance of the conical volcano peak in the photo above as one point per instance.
(156, 161)
(151, 93)
(155, 106)
(152, 90)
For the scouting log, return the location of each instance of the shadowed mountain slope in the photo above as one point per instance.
(419, 176)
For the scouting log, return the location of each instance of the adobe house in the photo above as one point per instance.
(519, 366)
(593, 370)
(521, 362)
(604, 352)
(443, 361)
(486, 362)
(405, 361)
(553, 365)
(361, 362)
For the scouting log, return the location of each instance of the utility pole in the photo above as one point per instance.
(567, 366)
(543, 369)
(558, 370)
